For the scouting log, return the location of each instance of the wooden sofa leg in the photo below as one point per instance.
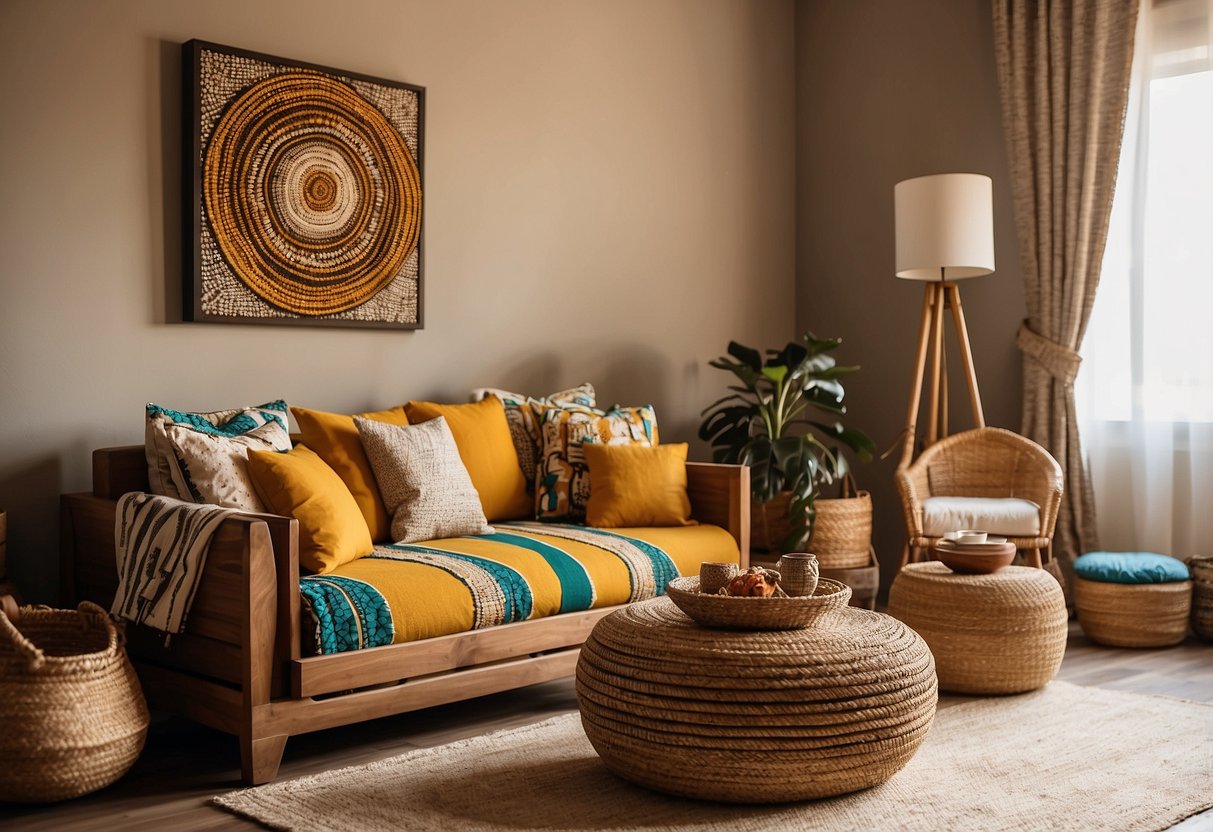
(260, 758)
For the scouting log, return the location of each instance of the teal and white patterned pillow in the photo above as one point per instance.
(525, 414)
(203, 457)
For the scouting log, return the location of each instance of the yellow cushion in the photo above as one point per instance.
(637, 485)
(482, 435)
(298, 484)
(562, 484)
(335, 440)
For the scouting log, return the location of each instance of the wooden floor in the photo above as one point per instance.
(184, 764)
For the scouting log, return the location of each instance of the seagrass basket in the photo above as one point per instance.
(72, 714)
(997, 633)
(1202, 596)
(842, 529)
(1133, 615)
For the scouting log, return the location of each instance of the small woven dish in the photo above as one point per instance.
(729, 613)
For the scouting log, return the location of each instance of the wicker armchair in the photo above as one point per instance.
(986, 462)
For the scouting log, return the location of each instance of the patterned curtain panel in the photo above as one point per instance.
(1063, 71)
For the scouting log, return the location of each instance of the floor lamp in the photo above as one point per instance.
(945, 233)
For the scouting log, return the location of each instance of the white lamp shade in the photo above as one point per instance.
(945, 226)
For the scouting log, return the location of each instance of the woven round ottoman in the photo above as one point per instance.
(1132, 599)
(1004, 632)
(743, 716)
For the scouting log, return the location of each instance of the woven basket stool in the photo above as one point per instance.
(1132, 599)
(754, 717)
(72, 714)
(1202, 596)
(1004, 632)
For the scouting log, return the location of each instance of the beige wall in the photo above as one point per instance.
(888, 90)
(608, 188)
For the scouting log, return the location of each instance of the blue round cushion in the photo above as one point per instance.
(1130, 568)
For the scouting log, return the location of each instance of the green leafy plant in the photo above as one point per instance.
(782, 422)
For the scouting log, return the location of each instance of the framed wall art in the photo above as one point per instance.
(303, 193)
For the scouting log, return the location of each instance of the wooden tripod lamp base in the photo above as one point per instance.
(936, 299)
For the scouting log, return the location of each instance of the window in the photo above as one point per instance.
(1145, 390)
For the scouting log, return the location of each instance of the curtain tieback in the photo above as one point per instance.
(1059, 360)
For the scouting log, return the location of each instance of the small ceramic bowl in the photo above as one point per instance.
(968, 536)
(970, 562)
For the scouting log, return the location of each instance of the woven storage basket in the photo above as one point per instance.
(864, 581)
(754, 717)
(1133, 615)
(72, 714)
(769, 522)
(842, 529)
(1004, 632)
(1202, 596)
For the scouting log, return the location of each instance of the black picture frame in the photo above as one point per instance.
(215, 287)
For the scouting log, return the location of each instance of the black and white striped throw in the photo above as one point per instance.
(160, 545)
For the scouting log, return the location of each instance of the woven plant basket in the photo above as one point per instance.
(72, 714)
(1133, 615)
(1004, 632)
(842, 530)
(754, 717)
(1202, 596)
(7, 587)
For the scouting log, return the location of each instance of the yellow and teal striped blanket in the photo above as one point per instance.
(405, 592)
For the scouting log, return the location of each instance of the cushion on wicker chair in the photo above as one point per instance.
(1009, 516)
(1130, 568)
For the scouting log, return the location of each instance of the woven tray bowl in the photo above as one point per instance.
(976, 561)
(729, 613)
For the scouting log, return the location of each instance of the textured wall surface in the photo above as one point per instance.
(609, 197)
(887, 91)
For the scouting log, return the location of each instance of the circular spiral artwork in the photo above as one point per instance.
(312, 195)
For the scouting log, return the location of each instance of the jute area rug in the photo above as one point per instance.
(1065, 757)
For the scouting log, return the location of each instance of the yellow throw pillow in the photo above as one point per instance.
(334, 438)
(637, 485)
(298, 484)
(482, 435)
(562, 483)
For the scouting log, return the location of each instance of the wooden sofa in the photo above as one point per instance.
(238, 666)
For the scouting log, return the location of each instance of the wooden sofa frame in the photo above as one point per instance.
(239, 667)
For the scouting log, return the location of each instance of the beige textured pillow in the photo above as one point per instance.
(425, 485)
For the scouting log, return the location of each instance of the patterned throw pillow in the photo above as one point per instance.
(203, 457)
(562, 485)
(424, 483)
(525, 413)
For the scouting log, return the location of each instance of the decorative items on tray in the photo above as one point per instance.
(974, 552)
(796, 575)
(789, 598)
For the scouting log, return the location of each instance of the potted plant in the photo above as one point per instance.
(782, 421)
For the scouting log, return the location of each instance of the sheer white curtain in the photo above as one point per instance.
(1145, 391)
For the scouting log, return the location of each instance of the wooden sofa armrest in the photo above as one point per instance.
(244, 619)
(720, 495)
